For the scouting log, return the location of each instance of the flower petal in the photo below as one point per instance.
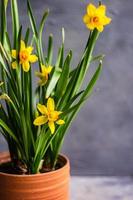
(26, 66)
(106, 20)
(86, 19)
(14, 53)
(101, 10)
(14, 64)
(22, 46)
(60, 122)
(33, 58)
(42, 109)
(100, 28)
(91, 9)
(90, 26)
(50, 104)
(40, 121)
(51, 126)
(30, 49)
(48, 69)
(53, 116)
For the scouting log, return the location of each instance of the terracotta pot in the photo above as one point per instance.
(47, 186)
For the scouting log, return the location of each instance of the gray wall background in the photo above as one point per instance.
(100, 141)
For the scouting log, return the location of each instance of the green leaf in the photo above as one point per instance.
(92, 83)
(62, 83)
(36, 97)
(8, 130)
(3, 21)
(78, 74)
(60, 57)
(15, 21)
(39, 41)
(99, 57)
(42, 144)
(74, 98)
(4, 65)
(53, 81)
(7, 43)
(71, 109)
(19, 37)
(3, 114)
(87, 92)
(27, 36)
(63, 35)
(45, 15)
(24, 133)
(32, 19)
(72, 72)
(6, 3)
(83, 66)
(4, 53)
(50, 50)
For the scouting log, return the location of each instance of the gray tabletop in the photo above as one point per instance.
(101, 188)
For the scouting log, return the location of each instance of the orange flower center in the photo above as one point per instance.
(95, 19)
(52, 116)
(23, 56)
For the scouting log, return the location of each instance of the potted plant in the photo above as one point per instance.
(34, 121)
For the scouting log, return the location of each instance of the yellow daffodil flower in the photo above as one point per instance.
(96, 17)
(43, 75)
(25, 57)
(49, 115)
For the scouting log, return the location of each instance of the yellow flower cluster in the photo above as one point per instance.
(96, 17)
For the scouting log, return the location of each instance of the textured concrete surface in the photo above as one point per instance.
(101, 188)
(100, 140)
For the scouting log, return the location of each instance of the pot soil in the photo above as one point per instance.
(44, 186)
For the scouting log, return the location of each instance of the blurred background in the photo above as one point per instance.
(100, 141)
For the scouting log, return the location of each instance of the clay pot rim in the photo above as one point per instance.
(62, 156)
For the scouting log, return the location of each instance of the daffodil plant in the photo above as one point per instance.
(35, 120)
